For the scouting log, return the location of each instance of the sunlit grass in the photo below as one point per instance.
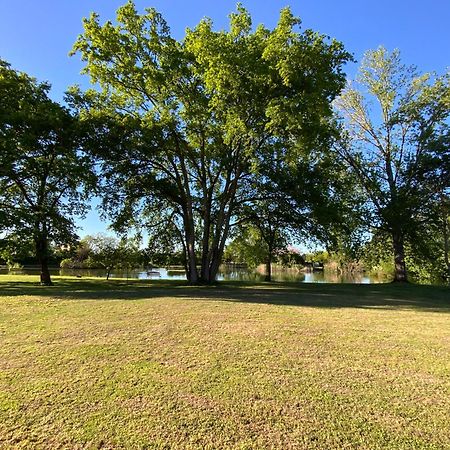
(95, 364)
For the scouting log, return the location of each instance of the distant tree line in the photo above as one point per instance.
(105, 252)
(225, 138)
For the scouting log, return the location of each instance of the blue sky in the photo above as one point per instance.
(36, 35)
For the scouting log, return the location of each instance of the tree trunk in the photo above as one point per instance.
(188, 223)
(189, 247)
(399, 258)
(221, 226)
(192, 266)
(218, 251)
(214, 268)
(42, 256)
(446, 247)
(191, 259)
(212, 258)
(268, 276)
(204, 268)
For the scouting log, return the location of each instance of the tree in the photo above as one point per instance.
(401, 157)
(182, 126)
(272, 223)
(304, 196)
(443, 223)
(246, 247)
(42, 167)
(268, 223)
(14, 250)
(112, 253)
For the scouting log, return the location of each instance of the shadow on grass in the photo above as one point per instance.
(381, 296)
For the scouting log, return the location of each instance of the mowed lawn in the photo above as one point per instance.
(96, 364)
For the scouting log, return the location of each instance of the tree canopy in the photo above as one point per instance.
(42, 166)
(396, 142)
(182, 127)
(110, 252)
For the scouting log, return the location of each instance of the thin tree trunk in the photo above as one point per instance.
(399, 258)
(191, 259)
(222, 229)
(189, 244)
(446, 247)
(184, 259)
(204, 274)
(189, 227)
(216, 260)
(192, 266)
(268, 276)
(215, 265)
(42, 256)
(214, 256)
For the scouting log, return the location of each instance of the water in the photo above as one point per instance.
(226, 273)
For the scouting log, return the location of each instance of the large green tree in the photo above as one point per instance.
(42, 168)
(397, 145)
(182, 126)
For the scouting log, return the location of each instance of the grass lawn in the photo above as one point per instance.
(95, 364)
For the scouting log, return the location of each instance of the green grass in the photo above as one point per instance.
(94, 364)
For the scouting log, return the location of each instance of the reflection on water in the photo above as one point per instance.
(334, 277)
(226, 273)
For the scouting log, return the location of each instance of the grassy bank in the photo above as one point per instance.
(95, 364)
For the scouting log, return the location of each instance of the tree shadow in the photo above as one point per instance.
(375, 296)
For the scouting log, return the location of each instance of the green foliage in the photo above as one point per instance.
(14, 250)
(401, 156)
(107, 252)
(42, 169)
(163, 258)
(249, 247)
(290, 257)
(67, 263)
(184, 127)
(377, 255)
(320, 256)
(425, 259)
(246, 248)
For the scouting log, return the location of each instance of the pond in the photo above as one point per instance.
(225, 273)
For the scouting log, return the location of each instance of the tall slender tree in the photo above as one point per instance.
(396, 142)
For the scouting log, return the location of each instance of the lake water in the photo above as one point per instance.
(226, 273)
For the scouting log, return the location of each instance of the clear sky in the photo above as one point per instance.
(36, 35)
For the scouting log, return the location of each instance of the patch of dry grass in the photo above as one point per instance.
(90, 364)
